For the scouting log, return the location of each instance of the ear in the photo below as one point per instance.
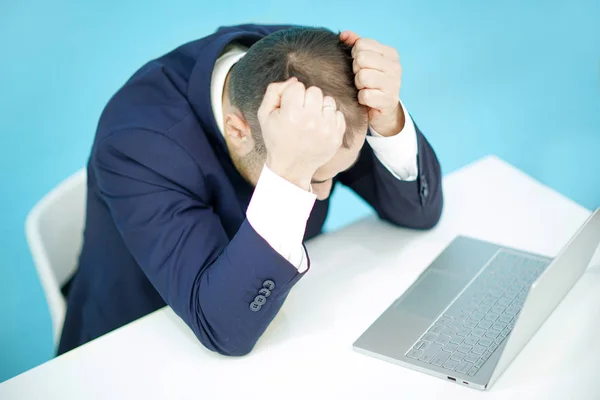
(238, 133)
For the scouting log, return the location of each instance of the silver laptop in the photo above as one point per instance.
(476, 306)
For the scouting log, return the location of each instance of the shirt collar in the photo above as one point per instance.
(230, 56)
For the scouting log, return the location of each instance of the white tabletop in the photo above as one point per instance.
(355, 274)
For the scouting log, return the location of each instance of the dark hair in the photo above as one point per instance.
(316, 56)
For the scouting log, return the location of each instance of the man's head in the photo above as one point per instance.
(317, 58)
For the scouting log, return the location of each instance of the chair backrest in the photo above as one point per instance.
(54, 230)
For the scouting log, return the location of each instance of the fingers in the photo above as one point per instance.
(293, 96)
(374, 79)
(329, 102)
(329, 109)
(376, 99)
(378, 74)
(334, 119)
(349, 37)
(336, 124)
(372, 60)
(272, 99)
(340, 123)
(364, 44)
(313, 99)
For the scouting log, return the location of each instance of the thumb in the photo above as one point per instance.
(349, 38)
(272, 99)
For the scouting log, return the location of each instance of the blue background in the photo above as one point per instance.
(517, 78)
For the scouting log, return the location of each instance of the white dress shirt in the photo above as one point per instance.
(279, 210)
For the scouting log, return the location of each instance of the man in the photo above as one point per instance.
(206, 166)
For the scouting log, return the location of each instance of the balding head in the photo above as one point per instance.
(315, 56)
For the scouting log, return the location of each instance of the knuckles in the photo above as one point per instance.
(314, 90)
(364, 77)
(306, 121)
(364, 96)
(361, 59)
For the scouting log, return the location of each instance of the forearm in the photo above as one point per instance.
(221, 312)
(207, 277)
(398, 151)
(258, 268)
(416, 203)
(279, 211)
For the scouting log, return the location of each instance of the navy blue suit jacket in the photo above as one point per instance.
(166, 219)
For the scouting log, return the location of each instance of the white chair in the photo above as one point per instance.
(54, 230)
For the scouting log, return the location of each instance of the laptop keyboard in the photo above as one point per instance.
(466, 334)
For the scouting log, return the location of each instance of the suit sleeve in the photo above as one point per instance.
(157, 196)
(413, 204)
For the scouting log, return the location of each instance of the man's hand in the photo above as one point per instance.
(378, 75)
(302, 130)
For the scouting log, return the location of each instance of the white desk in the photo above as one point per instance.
(356, 273)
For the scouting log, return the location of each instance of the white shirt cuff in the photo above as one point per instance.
(278, 212)
(398, 153)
